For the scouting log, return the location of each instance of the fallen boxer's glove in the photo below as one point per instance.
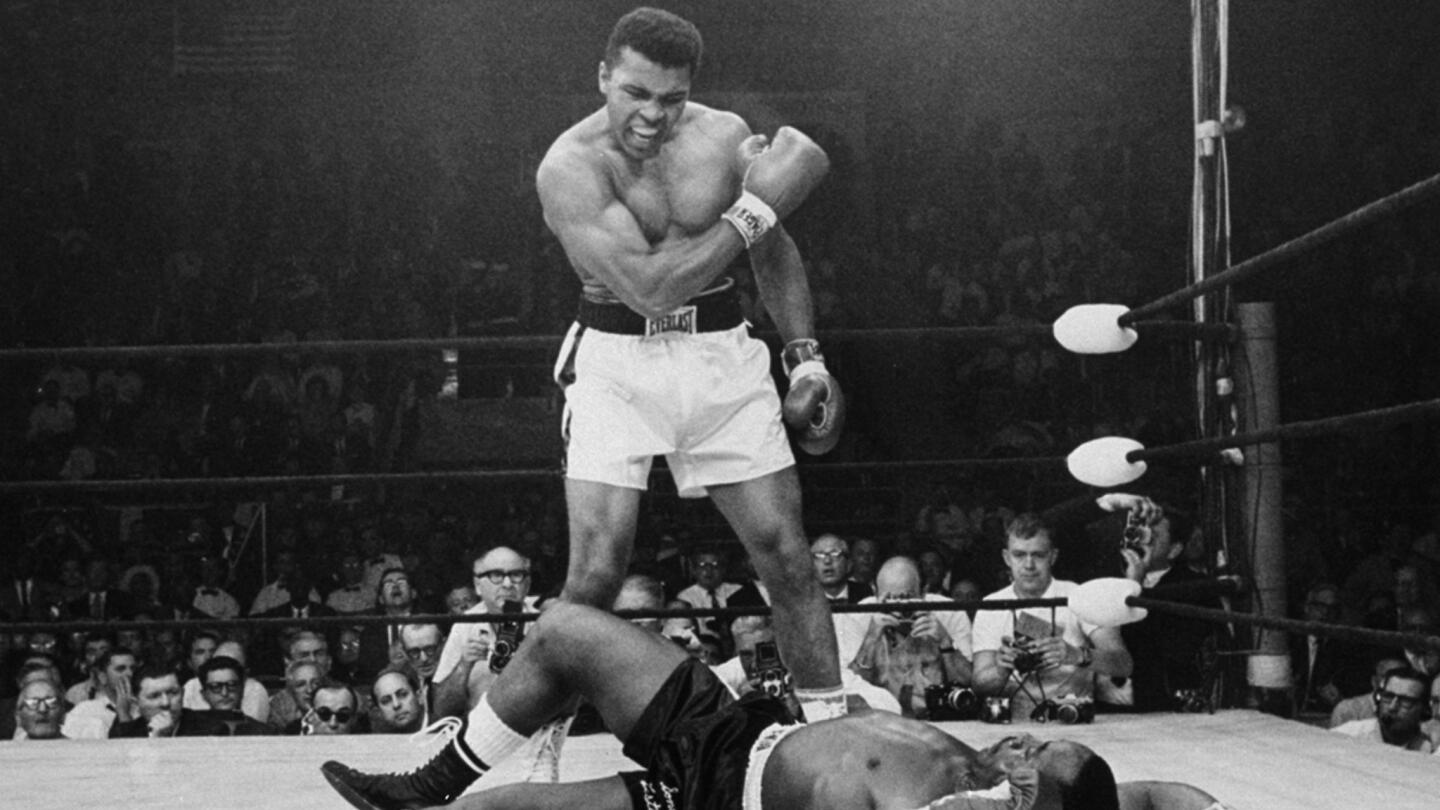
(779, 175)
(815, 406)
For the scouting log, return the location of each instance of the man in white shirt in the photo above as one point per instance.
(742, 676)
(904, 653)
(1036, 656)
(1402, 705)
(254, 701)
(710, 590)
(500, 575)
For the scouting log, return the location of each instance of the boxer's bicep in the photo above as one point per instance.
(600, 235)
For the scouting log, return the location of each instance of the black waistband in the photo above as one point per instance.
(714, 312)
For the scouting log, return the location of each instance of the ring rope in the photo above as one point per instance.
(1215, 332)
(368, 619)
(133, 485)
(1382, 638)
(1363, 420)
(1360, 635)
(1253, 266)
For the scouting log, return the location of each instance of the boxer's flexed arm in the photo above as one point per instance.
(602, 236)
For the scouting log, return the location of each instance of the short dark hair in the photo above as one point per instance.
(151, 672)
(202, 633)
(103, 662)
(1407, 673)
(220, 662)
(1027, 525)
(664, 38)
(1093, 787)
(330, 684)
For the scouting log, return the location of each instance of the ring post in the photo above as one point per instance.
(1257, 384)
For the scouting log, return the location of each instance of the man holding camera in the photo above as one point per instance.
(1173, 654)
(500, 575)
(912, 654)
(1044, 660)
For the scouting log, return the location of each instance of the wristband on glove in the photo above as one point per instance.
(801, 357)
(751, 216)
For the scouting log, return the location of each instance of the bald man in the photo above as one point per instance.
(905, 652)
(500, 575)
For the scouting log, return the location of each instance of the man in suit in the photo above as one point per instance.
(1326, 670)
(830, 554)
(1173, 655)
(101, 601)
(24, 596)
(301, 604)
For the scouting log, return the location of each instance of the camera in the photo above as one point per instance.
(1191, 701)
(771, 676)
(1026, 659)
(1069, 710)
(906, 624)
(508, 636)
(996, 709)
(1136, 534)
(951, 701)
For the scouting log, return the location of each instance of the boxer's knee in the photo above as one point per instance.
(595, 586)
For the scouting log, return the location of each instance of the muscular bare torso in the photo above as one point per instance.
(680, 192)
(863, 761)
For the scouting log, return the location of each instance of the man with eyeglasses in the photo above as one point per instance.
(254, 701)
(1361, 707)
(500, 575)
(222, 685)
(830, 555)
(39, 711)
(1402, 705)
(710, 590)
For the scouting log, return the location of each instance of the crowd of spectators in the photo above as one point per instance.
(130, 679)
(292, 238)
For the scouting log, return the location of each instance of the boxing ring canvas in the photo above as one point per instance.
(1249, 760)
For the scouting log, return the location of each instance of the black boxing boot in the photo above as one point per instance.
(439, 781)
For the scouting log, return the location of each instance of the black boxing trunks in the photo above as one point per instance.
(694, 740)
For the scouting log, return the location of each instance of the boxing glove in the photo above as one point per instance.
(779, 175)
(814, 406)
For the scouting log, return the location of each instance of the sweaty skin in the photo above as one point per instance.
(869, 760)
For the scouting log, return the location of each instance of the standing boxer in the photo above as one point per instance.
(653, 198)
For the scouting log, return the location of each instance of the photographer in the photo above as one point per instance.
(1174, 656)
(757, 666)
(909, 653)
(1041, 658)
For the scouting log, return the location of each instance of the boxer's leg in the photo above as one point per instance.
(574, 651)
(765, 514)
(603, 518)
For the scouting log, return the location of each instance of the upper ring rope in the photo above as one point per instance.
(1217, 332)
(129, 485)
(1359, 218)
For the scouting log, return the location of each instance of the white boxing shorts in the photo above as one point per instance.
(703, 399)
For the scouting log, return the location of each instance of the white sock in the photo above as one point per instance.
(489, 738)
(821, 704)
